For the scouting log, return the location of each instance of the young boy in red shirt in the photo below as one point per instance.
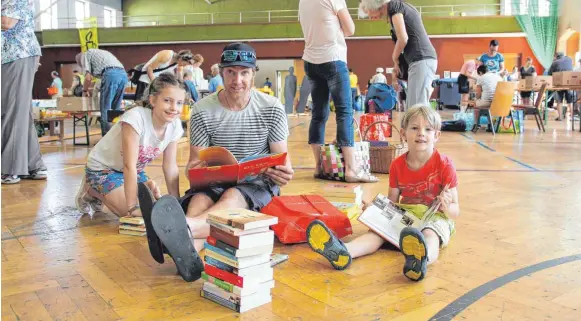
(416, 178)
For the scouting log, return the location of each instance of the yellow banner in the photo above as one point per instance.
(88, 36)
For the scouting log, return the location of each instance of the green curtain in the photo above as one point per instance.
(539, 19)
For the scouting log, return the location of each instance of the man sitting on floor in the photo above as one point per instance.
(486, 87)
(244, 121)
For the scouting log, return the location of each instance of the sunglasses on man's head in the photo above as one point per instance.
(237, 55)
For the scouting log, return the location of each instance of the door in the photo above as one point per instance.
(280, 82)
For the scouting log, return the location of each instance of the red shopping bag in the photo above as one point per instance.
(379, 132)
(295, 213)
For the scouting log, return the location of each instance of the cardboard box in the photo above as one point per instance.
(567, 78)
(522, 84)
(536, 82)
(72, 104)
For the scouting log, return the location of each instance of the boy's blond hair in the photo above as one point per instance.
(429, 114)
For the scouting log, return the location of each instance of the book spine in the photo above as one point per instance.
(224, 236)
(218, 219)
(221, 265)
(221, 258)
(221, 284)
(224, 276)
(222, 245)
(220, 251)
(216, 299)
(228, 296)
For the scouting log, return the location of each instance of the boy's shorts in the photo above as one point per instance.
(257, 193)
(107, 180)
(444, 228)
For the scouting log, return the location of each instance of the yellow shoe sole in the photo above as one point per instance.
(319, 238)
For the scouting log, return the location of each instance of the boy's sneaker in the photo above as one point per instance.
(413, 247)
(324, 242)
(37, 174)
(10, 179)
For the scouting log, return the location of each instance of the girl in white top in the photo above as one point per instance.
(116, 164)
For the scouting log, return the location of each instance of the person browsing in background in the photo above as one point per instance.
(163, 61)
(528, 70)
(416, 179)
(21, 157)
(325, 24)
(197, 72)
(493, 59)
(104, 65)
(117, 163)
(267, 83)
(562, 63)
(485, 89)
(354, 82)
(412, 41)
(379, 77)
(190, 86)
(57, 83)
(216, 82)
(467, 73)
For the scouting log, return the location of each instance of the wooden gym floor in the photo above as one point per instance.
(519, 230)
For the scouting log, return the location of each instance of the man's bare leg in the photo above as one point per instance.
(231, 198)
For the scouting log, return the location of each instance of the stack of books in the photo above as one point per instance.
(132, 226)
(238, 272)
(344, 193)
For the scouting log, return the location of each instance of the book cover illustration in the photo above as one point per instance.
(223, 168)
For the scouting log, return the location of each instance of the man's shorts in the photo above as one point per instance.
(567, 94)
(257, 193)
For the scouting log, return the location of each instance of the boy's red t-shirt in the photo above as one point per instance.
(424, 185)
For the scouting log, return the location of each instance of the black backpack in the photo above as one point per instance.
(454, 125)
(136, 72)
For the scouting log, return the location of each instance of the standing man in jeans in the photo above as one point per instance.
(412, 41)
(102, 64)
(325, 24)
(21, 156)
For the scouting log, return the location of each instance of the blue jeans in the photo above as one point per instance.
(330, 79)
(112, 88)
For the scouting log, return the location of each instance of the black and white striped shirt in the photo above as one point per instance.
(244, 133)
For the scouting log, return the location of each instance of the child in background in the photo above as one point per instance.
(116, 164)
(190, 86)
(416, 180)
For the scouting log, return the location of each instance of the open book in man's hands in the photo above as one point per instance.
(223, 168)
(387, 219)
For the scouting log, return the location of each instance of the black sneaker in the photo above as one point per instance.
(146, 202)
(169, 223)
(37, 174)
(324, 242)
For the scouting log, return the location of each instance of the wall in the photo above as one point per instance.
(364, 28)
(154, 7)
(450, 52)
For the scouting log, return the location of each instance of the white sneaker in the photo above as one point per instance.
(10, 179)
(83, 205)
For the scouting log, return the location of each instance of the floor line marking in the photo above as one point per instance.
(466, 300)
(523, 164)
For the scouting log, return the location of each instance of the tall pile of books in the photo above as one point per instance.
(238, 273)
(132, 226)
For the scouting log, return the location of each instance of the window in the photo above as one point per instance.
(110, 17)
(49, 18)
(81, 12)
